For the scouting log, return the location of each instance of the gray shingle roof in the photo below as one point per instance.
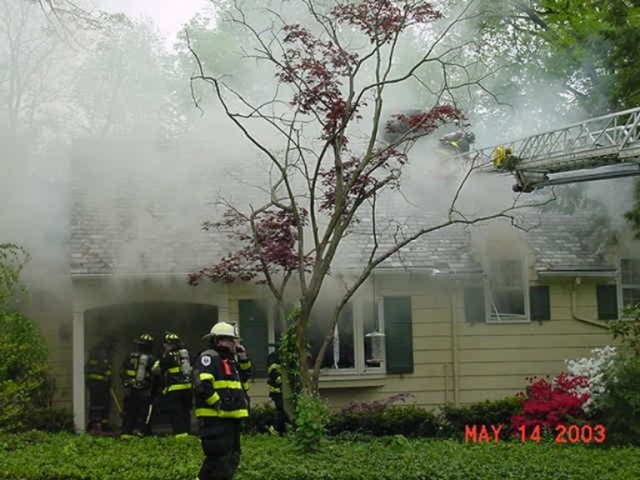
(107, 238)
(561, 243)
(136, 211)
(445, 250)
(566, 242)
(119, 227)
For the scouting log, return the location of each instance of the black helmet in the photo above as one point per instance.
(144, 339)
(170, 338)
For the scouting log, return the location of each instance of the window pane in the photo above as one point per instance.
(506, 293)
(630, 269)
(507, 272)
(630, 297)
(340, 352)
(508, 302)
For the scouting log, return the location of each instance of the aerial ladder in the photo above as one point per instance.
(596, 149)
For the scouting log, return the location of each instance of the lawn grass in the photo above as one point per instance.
(40, 456)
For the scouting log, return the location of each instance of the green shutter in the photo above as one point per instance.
(607, 302)
(539, 303)
(398, 334)
(253, 330)
(474, 311)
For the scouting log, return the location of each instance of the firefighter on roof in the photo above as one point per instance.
(137, 384)
(174, 369)
(458, 142)
(220, 377)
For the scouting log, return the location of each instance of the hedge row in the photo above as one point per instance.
(40, 456)
(382, 419)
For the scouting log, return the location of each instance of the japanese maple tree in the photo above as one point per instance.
(322, 172)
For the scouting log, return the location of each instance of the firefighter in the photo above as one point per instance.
(98, 381)
(174, 370)
(220, 377)
(458, 142)
(399, 126)
(274, 383)
(137, 383)
(504, 159)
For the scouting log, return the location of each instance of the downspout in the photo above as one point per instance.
(454, 346)
(574, 315)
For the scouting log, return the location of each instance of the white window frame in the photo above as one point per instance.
(497, 318)
(360, 368)
(622, 286)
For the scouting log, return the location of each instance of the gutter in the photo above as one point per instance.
(578, 273)
(89, 276)
(433, 271)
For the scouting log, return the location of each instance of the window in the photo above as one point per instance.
(373, 336)
(506, 295)
(358, 345)
(630, 282)
(475, 311)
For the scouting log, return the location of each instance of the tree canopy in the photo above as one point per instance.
(324, 133)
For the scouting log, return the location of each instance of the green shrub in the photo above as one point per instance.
(12, 260)
(488, 412)
(261, 417)
(52, 420)
(24, 386)
(410, 421)
(312, 417)
(619, 406)
(628, 331)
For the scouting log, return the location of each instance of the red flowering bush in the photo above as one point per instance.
(550, 403)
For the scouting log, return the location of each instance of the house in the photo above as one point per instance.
(460, 315)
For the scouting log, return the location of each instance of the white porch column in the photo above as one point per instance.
(78, 372)
(223, 305)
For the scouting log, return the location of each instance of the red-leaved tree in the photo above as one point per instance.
(332, 72)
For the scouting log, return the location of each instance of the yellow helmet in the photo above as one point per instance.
(223, 329)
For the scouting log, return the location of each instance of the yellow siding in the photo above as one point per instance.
(51, 310)
(453, 360)
(492, 360)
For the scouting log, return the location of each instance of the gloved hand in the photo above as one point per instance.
(241, 352)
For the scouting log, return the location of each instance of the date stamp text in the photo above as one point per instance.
(561, 433)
